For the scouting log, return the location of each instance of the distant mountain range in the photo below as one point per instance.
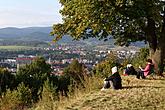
(41, 34)
(26, 34)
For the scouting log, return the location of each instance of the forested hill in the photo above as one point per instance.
(26, 34)
(35, 34)
(11, 35)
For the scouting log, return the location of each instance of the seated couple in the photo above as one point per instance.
(113, 81)
(141, 72)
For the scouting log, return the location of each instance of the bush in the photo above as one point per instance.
(141, 57)
(73, 75)
(48, 98)
(103, 69)
(24, 94)
(34, 75)
(16, 99)
(10, 100)
(7, 80)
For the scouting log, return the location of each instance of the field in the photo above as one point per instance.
(136, 94)
(13, 47)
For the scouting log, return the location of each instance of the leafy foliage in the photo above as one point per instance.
(16, 99)
(7, 80)
(125, 19)
(49, 96)
(9, 100)
(103, 68)
(75, 71)
(34, 75)
(140, 58)
(24, 94)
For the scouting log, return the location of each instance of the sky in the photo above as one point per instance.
(28, 13)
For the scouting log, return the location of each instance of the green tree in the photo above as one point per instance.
(7, 80)
(127, 20)
(24, 95)
(34, 75)
(16, 99)
(140, 58)
(49, 96)
(75, 70)
(103, 68)
(73, 77)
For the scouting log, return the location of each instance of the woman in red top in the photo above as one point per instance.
(146, 71)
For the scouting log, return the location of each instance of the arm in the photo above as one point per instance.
(147, 68)
(109, 78)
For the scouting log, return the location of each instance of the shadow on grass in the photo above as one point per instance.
(131, 87)
(152, 78)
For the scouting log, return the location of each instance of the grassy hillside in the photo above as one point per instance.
(136, 94)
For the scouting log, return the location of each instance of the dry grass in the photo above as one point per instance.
(136, 94)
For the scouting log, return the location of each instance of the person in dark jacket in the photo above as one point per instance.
(114, 81)
(130, 70)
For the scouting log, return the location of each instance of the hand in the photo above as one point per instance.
(140, 67)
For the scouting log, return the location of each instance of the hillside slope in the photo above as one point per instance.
(136, 94)
(26, 34)
(42, 34)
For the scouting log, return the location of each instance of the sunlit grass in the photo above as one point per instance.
(136, 94)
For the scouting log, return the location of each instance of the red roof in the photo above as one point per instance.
(25, 58)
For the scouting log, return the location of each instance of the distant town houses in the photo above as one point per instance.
(86, 56)
(22, 60)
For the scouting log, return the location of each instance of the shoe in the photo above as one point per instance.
(103, 89)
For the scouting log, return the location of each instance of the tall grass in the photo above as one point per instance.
(48, 99)
(136, 95)
(90, 84)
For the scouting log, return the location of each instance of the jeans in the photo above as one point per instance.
(140, 74)
(108, 84)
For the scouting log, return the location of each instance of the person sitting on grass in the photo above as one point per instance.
(144, 72)
(113, 81)
(130, 70)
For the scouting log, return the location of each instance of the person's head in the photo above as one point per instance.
(129, 65)
(114, 69)
(149, 61)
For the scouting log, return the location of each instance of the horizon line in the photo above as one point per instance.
(19, 27)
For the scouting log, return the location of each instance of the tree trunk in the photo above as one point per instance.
(151, 36)
(157, 46)
(161, 45)
(158, 61)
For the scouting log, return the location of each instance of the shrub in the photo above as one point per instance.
(10, 100)
(48, 98)
(34, 75)
(103, 69)
(141, 57)
(7, 80)
(16, 99)
(24, 94)
(73, 75)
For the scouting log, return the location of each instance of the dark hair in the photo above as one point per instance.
(149, 60)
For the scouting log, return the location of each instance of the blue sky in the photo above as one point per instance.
(27, 13)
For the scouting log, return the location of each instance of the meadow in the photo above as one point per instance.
(136, 94)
